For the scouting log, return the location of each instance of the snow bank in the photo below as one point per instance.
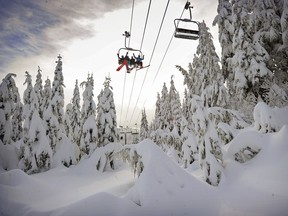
(8, 157)
(103, 204)
(269, 119)
(244, 146)
(256, 187)
(101, 157)
(259, 186)
(163, 188)
(67, 153)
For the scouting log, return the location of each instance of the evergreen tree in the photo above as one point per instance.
(75, 115)
(164, 108)
(38, 88)
(175, 110)
(156, 121)
(202, 133)
(88, 139)
(284, 24)
(185, 105)
(65, 152)
(212, 90)
(67, 121)
(54, 113)
(281, 72)
(204, 77)
(271, 28)
(35, 151)
(106, 116)
(267, 35)
(225, 29)
(210, 155)
(144, 126)
(10, 111)
(47, 92)
(250, 69)
(174, 119)
(57, 97)
(107, 125)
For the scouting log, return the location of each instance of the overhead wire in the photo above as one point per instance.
(164, 56)
(144, 31)
(135, 74)
(130, 29)
(155, 44)
(131, 21)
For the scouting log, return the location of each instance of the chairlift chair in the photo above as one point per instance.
(123, 52)
(186, 33)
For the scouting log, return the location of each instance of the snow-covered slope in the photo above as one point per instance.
(256, 187)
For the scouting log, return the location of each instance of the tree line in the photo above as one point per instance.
(222, 97)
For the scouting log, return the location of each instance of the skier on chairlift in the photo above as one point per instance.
(139, 60)
(120, 59)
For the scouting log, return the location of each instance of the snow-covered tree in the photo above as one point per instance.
(106, 116)
(185, 105)
(156, 120)
(75, 115)
(38, 88)
(88, 139)
(267, 35)
(164, 108)
(284, 23)
(65, 152)
(106, 124)
(35, 151)
(210, 155)
(57, 97)
(144, 126)
(67, 121)
(47, 92)
(271, 28)
(225, 29)
(10, 111)
(204, 76)
(54, 113)
(175, 110)
(250, 69)
(174, 119)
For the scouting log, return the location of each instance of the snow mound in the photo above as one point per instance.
(269, 119)
(67, 153)
(100, 157)
(8, 157)
(14, 177)
(103, 204)
(260, 183)
(163, 188)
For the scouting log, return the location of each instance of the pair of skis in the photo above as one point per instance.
(125, 63)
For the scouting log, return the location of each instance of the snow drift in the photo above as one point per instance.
(255, 187)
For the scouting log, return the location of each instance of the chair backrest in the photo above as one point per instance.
(186, 33)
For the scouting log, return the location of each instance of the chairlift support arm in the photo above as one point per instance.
(188, 7)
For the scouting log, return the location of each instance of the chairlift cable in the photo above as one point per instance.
(166, 52)
(135, 74)
(148, 11)
(164, 56)
(160, 28)
(123, 92)
(131, 22)
(130, 29)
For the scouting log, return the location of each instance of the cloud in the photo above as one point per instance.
(32, 27)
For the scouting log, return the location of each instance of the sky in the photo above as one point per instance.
(88, 35)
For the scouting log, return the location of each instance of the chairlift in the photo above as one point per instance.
(182, 31)
(132, 61)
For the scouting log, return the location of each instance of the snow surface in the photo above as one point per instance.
(257, 187)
